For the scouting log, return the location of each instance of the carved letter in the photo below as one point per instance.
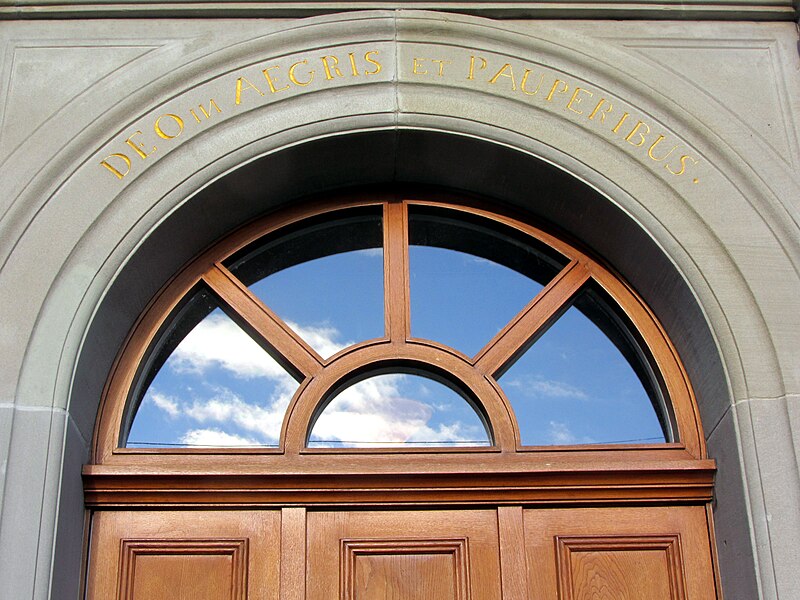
(369, 59)
(271, 82)
(634, 131)
(602, 113)
(418, 65)
(653, 147)
(160, 132)
(502, 73)
(683, 160)
(293, 78)
(139, 148)
(240, 87)
(472, 66)
(442, 63)
(621, 121)
(575, 100)
(115, 171)
(525, 79)
(206, 113)
(554, 89)
(328, 67)
(353, 67)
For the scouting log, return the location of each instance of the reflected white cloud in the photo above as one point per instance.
(215, 438)
(538, 387)
(560, 434)
(167, 404)
(380, 409)
(218, 341)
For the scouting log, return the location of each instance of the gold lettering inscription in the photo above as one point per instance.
(243, 84)
(441, 64)
(621, 121)
(575, 100)
(293, 78)
(554, 90)
(271, 82)
(602, 113)
(502, 73)
(353, 67)
(653, 147)
(328, 67)
(161, 133)
(482, 66)
(524, 81)
(119, 174)
(205, 113)
(372, 61)
(635, 131)
(683, 160)
(139, 147)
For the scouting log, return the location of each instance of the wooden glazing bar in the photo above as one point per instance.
(512, 555)
(513, 338)
(293, 554)
(294, 353)
(396, 277)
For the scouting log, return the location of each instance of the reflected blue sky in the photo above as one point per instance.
(573, 386)
(336, 299)
(462, 300)
(220, 388)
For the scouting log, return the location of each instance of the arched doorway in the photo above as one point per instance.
(426, 512)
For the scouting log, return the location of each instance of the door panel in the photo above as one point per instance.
(403, 555)
(658, 553)
(631, 553)
(197, 555)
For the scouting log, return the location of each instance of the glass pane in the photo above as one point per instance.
(210, 385)
(325, 280)
(398, 409)
(468, 280)
(584, 382)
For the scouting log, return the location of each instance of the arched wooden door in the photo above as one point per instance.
(516, 425)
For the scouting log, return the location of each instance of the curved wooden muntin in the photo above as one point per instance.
(506, 471)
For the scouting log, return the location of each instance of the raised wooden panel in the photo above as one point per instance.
(657, 553)
(620, 568)
(407, 569)
(167, 569)
(171, 555)
(403, 555)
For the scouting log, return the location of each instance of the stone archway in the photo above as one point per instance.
(112, 258)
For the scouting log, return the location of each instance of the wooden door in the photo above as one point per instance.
(509, 553)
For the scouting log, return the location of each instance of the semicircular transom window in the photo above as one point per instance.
(386, 324)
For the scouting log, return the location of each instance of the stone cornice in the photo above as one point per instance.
(729, 10)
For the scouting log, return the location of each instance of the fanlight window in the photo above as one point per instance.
(381, 325)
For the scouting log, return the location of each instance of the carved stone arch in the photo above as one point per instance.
(125, 248)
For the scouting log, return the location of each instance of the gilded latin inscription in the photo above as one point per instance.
(274, 79)
(537, 84)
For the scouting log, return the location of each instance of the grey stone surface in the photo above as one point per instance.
(82, 251)
(72, 517)
(30, 502)
(777, 474)
(6, 423)
(730, 513)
